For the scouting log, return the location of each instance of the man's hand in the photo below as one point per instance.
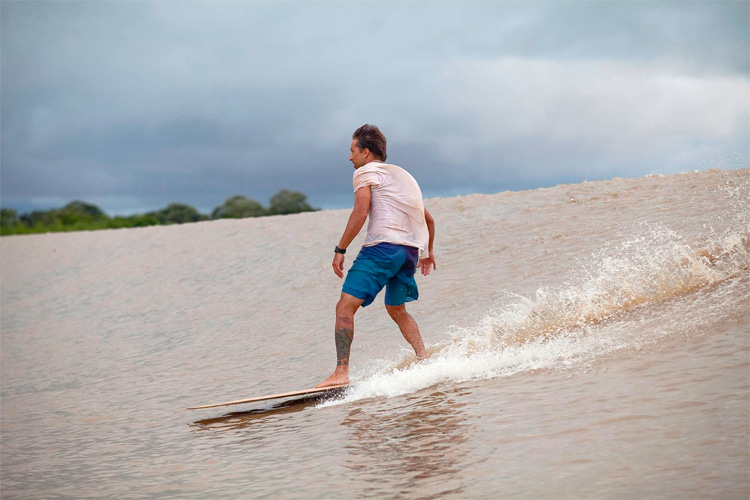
(338, 264)
(426, 263)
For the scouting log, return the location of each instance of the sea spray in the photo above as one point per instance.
(587, 315)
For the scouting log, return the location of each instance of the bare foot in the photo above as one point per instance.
(338, 377)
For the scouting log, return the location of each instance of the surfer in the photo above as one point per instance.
(399, 240)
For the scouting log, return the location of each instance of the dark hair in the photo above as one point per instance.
(370, 137)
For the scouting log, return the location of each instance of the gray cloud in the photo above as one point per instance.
(136, 104)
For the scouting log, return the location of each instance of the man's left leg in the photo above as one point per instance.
(409, 329)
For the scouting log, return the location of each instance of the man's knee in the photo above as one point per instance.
(344, 309)
(396, 312)
(347, 305)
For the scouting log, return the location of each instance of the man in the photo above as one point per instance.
(399, 239)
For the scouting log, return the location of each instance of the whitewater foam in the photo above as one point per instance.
(590, 314)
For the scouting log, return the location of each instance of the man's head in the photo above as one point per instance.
(368, 144)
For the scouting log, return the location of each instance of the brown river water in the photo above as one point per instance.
(587, 340)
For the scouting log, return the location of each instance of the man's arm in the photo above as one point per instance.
(356, 220)
(429, 261)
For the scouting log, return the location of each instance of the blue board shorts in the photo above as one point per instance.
(384, 265)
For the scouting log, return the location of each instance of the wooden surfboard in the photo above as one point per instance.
(292, 394)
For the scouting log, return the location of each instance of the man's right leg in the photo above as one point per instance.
(344, 334)
(409, 329)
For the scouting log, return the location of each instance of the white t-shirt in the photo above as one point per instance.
(396, 206)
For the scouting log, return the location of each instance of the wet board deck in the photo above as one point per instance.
(292, 394)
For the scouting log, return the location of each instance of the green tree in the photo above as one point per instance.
(238, 207)
(177, 213)
(42, 218)
(289, 202)
(8, 218)
(143, 220)
(85, 210)
(8, 221)
(78, 215)
(81, 215)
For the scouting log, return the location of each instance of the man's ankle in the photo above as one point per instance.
(341, 370)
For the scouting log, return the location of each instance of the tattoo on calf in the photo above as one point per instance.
(344, 337)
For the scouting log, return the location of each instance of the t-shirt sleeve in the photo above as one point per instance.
(364, 178)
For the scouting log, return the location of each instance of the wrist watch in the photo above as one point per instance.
(339, 250)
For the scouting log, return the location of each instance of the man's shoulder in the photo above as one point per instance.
(377, 165)
(381, 167)
(383, 172)
(400, 174)
(373, 168)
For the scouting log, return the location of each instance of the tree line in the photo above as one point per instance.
(81, 216)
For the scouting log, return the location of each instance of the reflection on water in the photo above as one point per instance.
(410, 447)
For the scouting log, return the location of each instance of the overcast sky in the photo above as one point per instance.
(133, 105)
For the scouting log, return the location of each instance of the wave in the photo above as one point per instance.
(579, 319)
(643, 270)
